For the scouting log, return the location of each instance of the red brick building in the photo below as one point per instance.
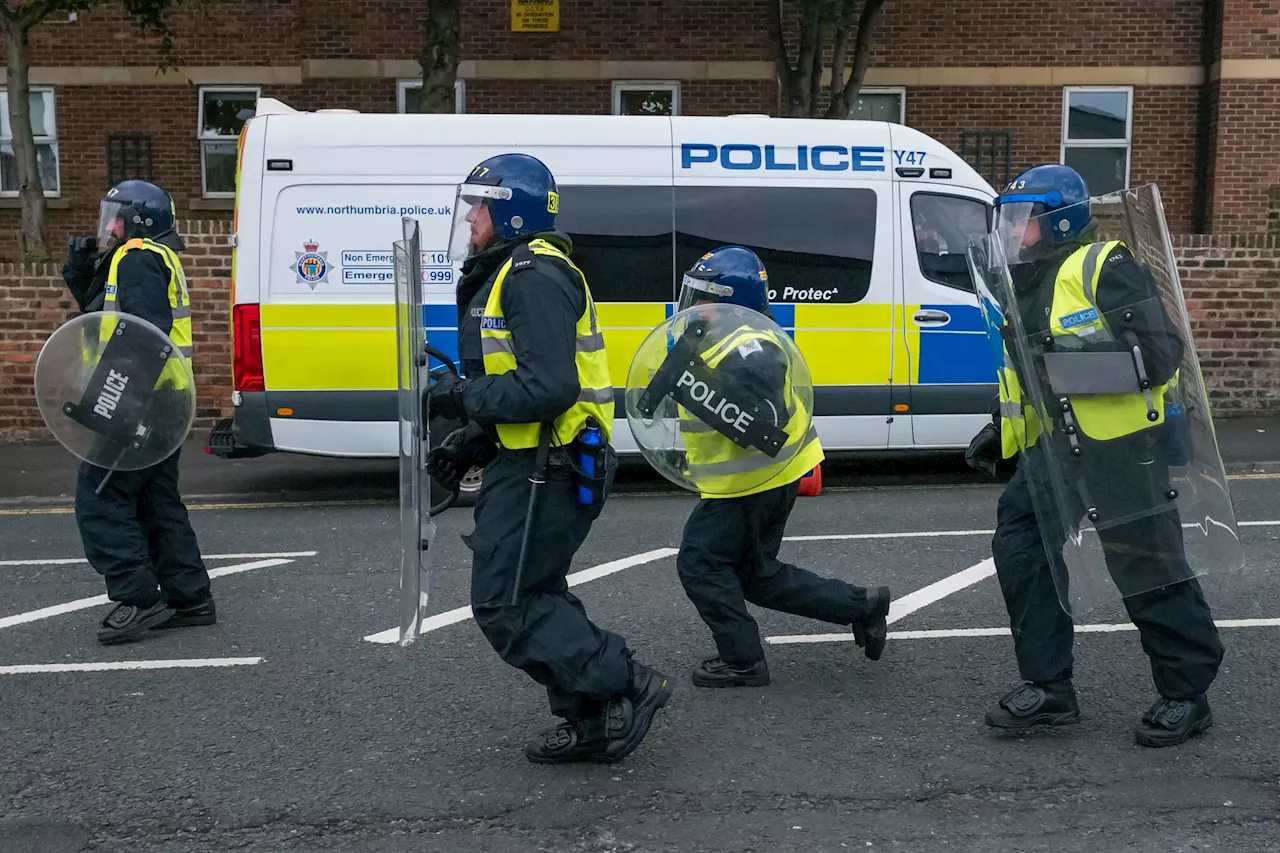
(1185, 93)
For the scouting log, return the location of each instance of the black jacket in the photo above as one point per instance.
(142, 282)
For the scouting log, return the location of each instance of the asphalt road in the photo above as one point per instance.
(321, 741)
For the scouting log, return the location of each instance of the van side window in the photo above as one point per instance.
(621, 240)
(817, 243)
(944, 225)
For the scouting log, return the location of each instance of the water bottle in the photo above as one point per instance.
(591, 437)
(1175, 445)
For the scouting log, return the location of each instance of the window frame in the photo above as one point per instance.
(988, 211)
(900, 91)
(1066, 142)
(621, 86)
(459, 93)
(51, 141)
(202, 138)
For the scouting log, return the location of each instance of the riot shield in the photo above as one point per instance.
(115, 391)
(417, 530)
(1106, 399)
(719, 400)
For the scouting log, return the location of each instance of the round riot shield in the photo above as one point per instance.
(720, 402)
(115, 391)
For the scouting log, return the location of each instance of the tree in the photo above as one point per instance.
(440, 57)
(823, 22)
(17, 17)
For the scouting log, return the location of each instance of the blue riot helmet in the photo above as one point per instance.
(504, 197)
(1040, 211)
(137, 209)
(730, 274)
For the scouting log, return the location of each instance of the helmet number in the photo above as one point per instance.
(553, 201)
(480, 170)
(1016, 185)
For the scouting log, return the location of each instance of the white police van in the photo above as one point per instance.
(861, 225)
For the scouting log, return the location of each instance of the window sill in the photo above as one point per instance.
(50, 202)
(213, 204)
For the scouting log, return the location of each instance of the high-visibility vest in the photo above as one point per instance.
(173, 376)
(722, 469)
(595, 397)
(1101, 417)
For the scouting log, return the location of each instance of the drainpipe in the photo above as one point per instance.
(1211, 18)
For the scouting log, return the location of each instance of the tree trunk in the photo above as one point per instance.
(30, 189)
(843, 94)
(440, 57)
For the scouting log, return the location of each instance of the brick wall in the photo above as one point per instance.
(34, 301)
(1232, 286)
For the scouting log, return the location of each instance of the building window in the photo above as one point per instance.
(223, 112)
(636, 98)
(409, 96)
(128, 159)
(880, 104)
(43, 130)
(1097, 127)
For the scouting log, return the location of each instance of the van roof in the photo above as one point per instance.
(631, 148)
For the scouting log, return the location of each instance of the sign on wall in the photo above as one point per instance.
(535, 16)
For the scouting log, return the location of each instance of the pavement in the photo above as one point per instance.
(292, 726)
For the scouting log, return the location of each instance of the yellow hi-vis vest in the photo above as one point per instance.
(173, 375)
(723, 469)
(1101, 417)
(595, 399)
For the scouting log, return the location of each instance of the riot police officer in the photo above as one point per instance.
(729, 552)
(1077, 294)
(537, 378)
(136, 531)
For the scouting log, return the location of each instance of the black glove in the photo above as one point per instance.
(464, 448)
(984, 450)
(444, 398)
(82, 252)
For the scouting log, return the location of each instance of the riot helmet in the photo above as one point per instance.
(504, 198)
(137, 209)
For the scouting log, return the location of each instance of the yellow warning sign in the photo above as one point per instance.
(535, 16)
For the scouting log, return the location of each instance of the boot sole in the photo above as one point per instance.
(1064, 719)
(1198, 728)
(138, 631)
(186, 622)
(737, 681)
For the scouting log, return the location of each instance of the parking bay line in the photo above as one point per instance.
(84, 603)
(461, 614)
(185, 663)
(81, 561)
(930, 534)
(947, 633)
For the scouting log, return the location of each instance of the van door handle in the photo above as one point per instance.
(932, 317)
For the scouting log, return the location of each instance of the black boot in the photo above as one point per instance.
(1029, 705)
(629, 717)
(714, 672)
(873, 630)
(582, 740)
(188, 615)
(1170, 722)
(127, 622)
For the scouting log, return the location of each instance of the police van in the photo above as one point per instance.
(861, 225)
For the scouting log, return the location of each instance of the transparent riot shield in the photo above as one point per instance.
(719, 400)
(1106, 398)
(417, 530)
(115, 391)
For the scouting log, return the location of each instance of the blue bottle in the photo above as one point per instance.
(1174, 434)
(591, 437)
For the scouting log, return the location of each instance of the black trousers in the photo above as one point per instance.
(1173, 620)
(547, 633)
(729, 556)
(137, 535)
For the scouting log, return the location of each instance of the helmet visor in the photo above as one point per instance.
(473, 229)
(694, 290)
(110, 223)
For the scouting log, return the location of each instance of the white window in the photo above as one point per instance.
(640, 98)
(223, 112)
(43, 130)
(880, 104)
(409, 96)
(1097, 128)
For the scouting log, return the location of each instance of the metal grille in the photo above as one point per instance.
(128, 159)
(987, 151)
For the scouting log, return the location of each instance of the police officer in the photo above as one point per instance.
(729, 551)
(136, 531)
(1060, 268)
(536, 377)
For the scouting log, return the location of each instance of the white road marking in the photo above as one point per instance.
(83, 562)
(929, 534)
(190, 663)
(938, 590)
(84, 603)
(461, 614)
(946, 633)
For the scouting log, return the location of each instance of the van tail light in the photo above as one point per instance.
(246, 363)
